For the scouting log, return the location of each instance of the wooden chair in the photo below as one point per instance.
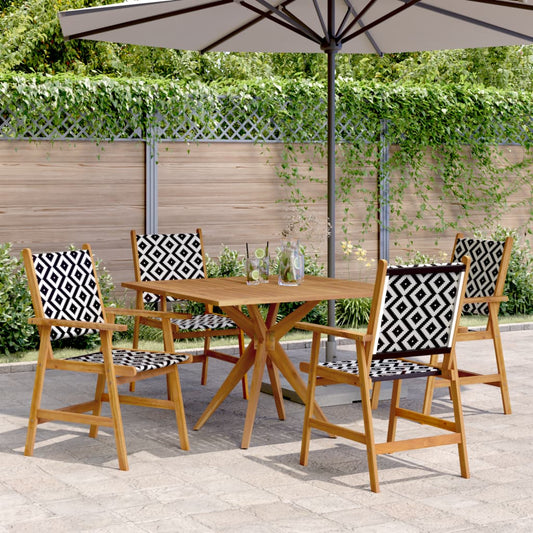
(159, 257)
(67, 303)
(484, 294)
(414, 312)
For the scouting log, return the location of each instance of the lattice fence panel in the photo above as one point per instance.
(68, 127)
(220, 119)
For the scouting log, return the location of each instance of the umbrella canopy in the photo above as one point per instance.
(354, 26)
(332, 26)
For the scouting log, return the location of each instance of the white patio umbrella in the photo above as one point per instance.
(331, 26)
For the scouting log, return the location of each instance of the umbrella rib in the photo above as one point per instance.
(240, 29)
(300, 23)
(393, 13)
(143, 20)
(476, 22)
(359, 20)
(320, 17)
(291, 19)
(270, 16)
(357, 16)
(505, 3)
(349, 11)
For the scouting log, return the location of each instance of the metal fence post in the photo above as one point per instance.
(150, 169)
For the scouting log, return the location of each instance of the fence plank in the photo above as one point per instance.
(55, 194)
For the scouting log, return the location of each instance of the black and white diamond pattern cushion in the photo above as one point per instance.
(68, 290)
(486, 258)
(204, 322)
(137, 358)
(386, 369)
(419, 309)
(169, 256)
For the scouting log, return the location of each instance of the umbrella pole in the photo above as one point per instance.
(331, 50)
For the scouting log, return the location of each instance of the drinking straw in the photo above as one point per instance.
(247, 252)
(266, 249)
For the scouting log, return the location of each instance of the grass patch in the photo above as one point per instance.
(191, 344)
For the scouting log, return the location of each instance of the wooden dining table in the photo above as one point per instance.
(264, 330)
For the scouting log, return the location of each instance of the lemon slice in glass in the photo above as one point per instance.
(260, 253)
(254, 274)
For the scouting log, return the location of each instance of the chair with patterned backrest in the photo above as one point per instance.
(67, 303)
(415, 312)
(484, 294)
(158, 257)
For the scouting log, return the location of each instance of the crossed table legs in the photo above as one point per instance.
(264, 350)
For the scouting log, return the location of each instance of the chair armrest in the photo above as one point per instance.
(337, 332)
(145, 312)
(102, 326)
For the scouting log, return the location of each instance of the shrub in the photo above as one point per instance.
(16, 334)
(353, 312)
(228, 264)
(519, 281)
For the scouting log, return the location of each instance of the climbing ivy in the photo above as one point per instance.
(446, 139)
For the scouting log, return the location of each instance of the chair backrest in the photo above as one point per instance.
(164, 256)
(418, 310)
(63, 285)
(488, 270)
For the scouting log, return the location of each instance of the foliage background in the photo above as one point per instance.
(31, 42)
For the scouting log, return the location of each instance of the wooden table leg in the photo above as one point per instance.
(242, 366)
(255, 390)
(281, 360)
(275, 383)
(273, 372)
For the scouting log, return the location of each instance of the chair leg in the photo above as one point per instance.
(100, 387)
(174, 392)
(394, 405)
(498, 349)
(205, 362)
(376, 389)
(455, 392)
(136, 331)
(310, 400)
(430, 388)
(114, 401)
(116, 414)
(35, 405)
(371, 454)
(135, 344)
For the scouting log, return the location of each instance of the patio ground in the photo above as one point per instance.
(72, 483)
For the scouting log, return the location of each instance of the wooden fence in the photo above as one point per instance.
(55, 194)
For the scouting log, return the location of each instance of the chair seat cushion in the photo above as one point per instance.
(136, 358)
(204, 322)
(386, 369)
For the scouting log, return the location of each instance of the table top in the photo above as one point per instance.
(226, 292)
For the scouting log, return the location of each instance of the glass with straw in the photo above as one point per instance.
(257, 265)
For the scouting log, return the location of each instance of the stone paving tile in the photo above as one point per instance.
(73, 484)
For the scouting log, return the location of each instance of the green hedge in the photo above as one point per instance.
(15, 305)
